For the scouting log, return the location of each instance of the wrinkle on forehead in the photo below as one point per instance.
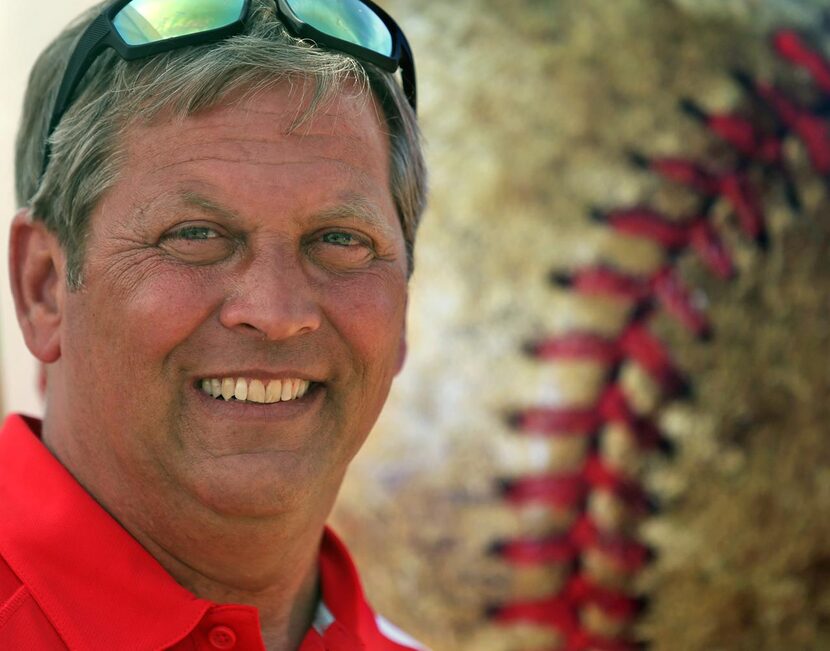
(246, 153)
(237, 132)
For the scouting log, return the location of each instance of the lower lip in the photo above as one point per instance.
(240, 410)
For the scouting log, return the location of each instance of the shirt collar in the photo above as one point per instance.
(88, 575)
(93, 580)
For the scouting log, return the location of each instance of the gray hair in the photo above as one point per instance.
(85, 147)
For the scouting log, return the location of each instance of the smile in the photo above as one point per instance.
(255, 391)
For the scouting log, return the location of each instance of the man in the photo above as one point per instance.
(212, 261)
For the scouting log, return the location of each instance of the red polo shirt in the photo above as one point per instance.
(72, 578)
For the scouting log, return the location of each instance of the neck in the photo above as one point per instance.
(276, 572)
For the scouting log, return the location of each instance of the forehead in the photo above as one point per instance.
(267, 141)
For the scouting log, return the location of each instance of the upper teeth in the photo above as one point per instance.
(255, 390)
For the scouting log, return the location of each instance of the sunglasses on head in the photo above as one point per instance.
(142, 28)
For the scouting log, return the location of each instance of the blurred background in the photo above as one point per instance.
(23, 38)
(612, 427)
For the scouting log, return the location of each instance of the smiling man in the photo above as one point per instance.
(220, 202)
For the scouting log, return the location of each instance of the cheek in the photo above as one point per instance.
(171, 307)
(370, 319)
(142, 324)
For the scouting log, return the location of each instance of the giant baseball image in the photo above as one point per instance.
(612, 428)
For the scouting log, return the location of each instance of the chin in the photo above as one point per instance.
(258, 485)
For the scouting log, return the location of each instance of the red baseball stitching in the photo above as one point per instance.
(755, 146)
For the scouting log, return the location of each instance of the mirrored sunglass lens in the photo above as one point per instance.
(348, 20)
(149, 21)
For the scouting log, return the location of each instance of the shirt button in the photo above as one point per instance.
(222, 637)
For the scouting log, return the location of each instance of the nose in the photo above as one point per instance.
(271, 297)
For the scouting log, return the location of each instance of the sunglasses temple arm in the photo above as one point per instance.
(89, 46)
(408, 72)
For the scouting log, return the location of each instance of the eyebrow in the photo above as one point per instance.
(353, 207)
(199, 201)
(360, 210)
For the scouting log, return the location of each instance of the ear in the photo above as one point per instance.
(36, 269)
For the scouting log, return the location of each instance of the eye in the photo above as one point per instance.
(197, 243)
(340, 238)
(194, 233)
(342, 250)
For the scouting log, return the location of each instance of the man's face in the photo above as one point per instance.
(228, 250)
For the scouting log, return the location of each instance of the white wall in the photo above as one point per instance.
(25, 30)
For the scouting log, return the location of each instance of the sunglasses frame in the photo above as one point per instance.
(102, 34)
(401, 56)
